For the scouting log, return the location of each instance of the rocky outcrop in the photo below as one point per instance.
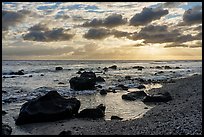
(100, 79)
(134, 95)
(165, 97)
(93, 113)
(50, 107)
(103, 92)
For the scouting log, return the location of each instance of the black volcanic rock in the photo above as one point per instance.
(50, 107)
(58, 68)
(93, 113)
(113, 67)
(165, 97)
(134, 95)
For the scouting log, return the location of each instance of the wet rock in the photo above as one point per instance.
(167, 67)
(6, 129)
(145, 107)
(113, 67)
(103, 92)
(82, 83)
(93, 113)
(30, 76)
(158, 67)
(141, 87)
(41, 74)
(3, 91)
(58, 68)
(3, 112)
(100, 79)
(177, 67)
(50, 107)
(60, 83)
(68, 132)
(160, 72)
(20, 72)
(105, 69)
(81, 69)
(116, 118)
(138, 67)
(134, 95)
(165, 97)
(90, 74)
(127, 77)
(79, 72)
(99, 86)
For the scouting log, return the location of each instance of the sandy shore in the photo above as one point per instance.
(182, 115)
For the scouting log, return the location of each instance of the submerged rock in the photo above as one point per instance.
(3, 112)
(158, 98)
(6, 129)
(50, 107)
(134, 95)
(123, 87)
(105, 69)
(167, 67)
(127, 77)
(141, 87)
(93, 113)
(113, 67)
(138, 67)
(20, 72)
(58, 68)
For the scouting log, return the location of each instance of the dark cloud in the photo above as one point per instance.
(192, 16)
(161, 34)
(111, 21)
(11, 18)
(41, 33)
(99, 33)
(147, 15)
(119, 34)
(176, 45)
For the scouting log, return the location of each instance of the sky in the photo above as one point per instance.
(101, 30)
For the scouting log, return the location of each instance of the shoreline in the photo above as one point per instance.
(182, 115)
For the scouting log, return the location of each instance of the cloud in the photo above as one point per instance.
(97, 33)
(192, 16)
(119, 34)
(41, 33)
(111, 21)
(11, 18)
(196, 45)
(161, 34)
(147, 16)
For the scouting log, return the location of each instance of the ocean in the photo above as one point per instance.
(20, 88)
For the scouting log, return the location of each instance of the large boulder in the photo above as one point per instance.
(82, 83)
(165, 97)
(93, 113)
(134, 95)
(90, 74)
(86, 81)
(6, 129)
(50, 107)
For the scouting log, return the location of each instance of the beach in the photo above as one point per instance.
(180, 116)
